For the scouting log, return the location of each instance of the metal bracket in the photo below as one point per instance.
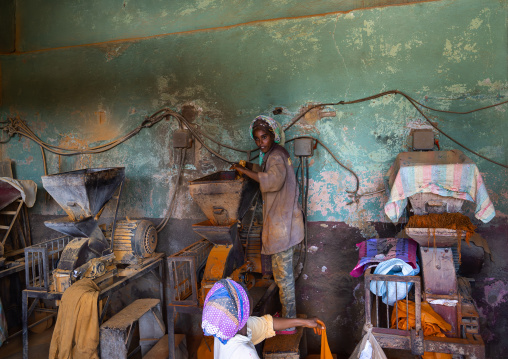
(417, 347)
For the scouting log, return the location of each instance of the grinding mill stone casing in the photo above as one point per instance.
(223, 198)
(221, 235)
(83, 193)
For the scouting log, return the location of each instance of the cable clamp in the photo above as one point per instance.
(354, 198)
(148, 122)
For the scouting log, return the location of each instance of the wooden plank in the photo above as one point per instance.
(161, 350)
(131, 313)
(438, 271)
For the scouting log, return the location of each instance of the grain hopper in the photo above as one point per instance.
(83, 195)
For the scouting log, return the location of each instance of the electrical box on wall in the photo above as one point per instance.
(182, 139)
(423, 140)
(304, 147)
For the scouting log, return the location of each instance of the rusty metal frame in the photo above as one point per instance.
(157, 264)
(175, 282)
(472, 346)
(40, 259)
(22, 224)
(192, 257)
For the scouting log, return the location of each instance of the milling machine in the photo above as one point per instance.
(95, 251)
(448, 294)
(225, 198)
(231, 245)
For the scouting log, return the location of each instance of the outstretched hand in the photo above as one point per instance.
(315, 324)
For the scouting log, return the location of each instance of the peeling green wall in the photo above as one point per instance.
(55, 23)
(448, 54)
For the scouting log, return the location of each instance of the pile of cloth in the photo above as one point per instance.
(403, 317)
(76, 333)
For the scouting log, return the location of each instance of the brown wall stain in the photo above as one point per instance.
(217, 28)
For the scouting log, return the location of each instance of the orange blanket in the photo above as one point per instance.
(432, 323)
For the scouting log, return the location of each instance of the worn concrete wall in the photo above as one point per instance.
(7, 26)
(86, 22)
(77, 88)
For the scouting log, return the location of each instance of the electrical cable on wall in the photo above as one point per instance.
(415, 104)
(16, 126)
(357, 185)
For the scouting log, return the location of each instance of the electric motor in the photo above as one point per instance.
(134, 240)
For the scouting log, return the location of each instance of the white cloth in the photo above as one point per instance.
(241, 346)
(27, 189)
(395, 290)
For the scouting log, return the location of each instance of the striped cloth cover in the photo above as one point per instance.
(446, 173)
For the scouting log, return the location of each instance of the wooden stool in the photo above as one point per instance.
(133, 331)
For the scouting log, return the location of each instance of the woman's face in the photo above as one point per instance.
(264, 139)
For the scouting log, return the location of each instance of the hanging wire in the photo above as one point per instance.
(415, 104)
(165, 221)
(357, 180)
(17, 126)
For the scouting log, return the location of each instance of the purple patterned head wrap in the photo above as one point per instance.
(226, 310)
(270, 125)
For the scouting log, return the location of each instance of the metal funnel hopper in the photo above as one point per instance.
(82, 194)
(223, 198)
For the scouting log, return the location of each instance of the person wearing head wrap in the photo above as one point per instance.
(272, 127)
(226, 316)
(226, 310)
(282, 214)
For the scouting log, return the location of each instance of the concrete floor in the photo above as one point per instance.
(38, 346)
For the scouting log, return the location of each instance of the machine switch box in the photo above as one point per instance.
(182, 139)
(423, 140)
(304, 147)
